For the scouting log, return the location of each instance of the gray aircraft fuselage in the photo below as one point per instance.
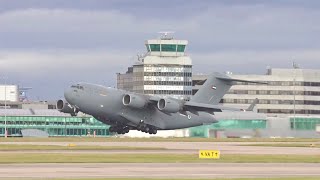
(125, 110)
(106, 104)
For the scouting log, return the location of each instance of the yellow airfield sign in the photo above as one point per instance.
(209, 154)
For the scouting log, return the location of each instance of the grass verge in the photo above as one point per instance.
(311, 145)
(155, 139)
(18, 147)
(283, 178)
(151, 158)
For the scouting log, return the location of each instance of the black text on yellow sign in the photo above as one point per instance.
(209, 154)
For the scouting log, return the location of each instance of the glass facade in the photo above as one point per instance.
(84, 126)
(239, 124)
(166, 47)
(299, 123)
(202, 131)
(54, 125)
(155, 47)
(169, 47)
(181, 48)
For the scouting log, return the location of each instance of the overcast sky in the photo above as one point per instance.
(50, 44)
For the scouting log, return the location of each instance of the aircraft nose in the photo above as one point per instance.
(68, 95)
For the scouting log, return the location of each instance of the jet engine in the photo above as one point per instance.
(65, 107)
(168, 105)
(134, 101)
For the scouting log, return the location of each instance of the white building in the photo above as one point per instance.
(9, 93)
(164, 70)
(291, 100)
(288, 92)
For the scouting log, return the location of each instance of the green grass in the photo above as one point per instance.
(117, 139)
(21, 147)
(311, 145)
(283, 178)
(150, 158)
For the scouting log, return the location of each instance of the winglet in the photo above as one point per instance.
(252, 105)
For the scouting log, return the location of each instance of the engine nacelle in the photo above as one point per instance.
(66, 108)
(133, 101)
(168, 105)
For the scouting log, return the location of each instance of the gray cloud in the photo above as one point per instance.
(49, 45)
(238, 26)
(50, 71)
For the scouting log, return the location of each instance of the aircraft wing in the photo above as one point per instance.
(195, 106)
(154, 98)
(216, 108)
(208, 107)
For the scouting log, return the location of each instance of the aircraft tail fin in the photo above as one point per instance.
(215, 87)
(252, 105)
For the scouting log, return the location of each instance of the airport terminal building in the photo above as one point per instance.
(288, 92)
(49, 121)
(41, 117)
(291, 99)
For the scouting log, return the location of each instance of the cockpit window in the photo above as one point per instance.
(77, 87)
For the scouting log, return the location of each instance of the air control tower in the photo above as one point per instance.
(165, 69)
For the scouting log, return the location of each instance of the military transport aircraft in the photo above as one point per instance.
(125, 111)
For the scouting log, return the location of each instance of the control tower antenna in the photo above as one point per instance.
(166, 35)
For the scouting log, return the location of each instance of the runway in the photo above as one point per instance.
(159, 170)
(179, 147)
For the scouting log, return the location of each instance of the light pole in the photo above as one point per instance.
(5, 107)
(294, 102)
(295, 67)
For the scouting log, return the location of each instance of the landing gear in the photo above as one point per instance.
(140, 127)
(153, 131)
(112, 129)
(75, 112)
(119, 129)
(146, 128)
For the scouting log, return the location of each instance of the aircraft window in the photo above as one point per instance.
(74, 86)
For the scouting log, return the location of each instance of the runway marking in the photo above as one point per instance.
(158, 170)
